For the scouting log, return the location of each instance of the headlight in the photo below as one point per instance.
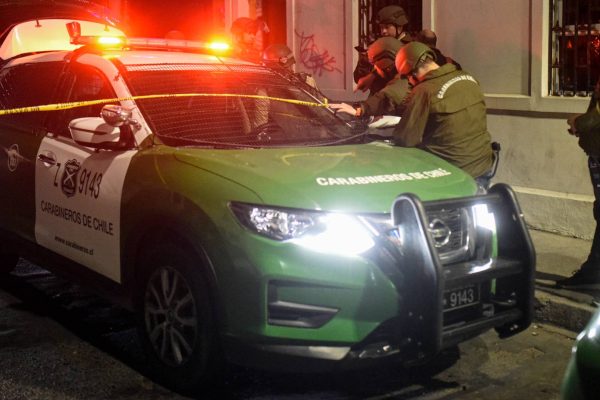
(484, 219)
(320, 231)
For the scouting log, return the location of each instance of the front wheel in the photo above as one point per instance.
(176, 321)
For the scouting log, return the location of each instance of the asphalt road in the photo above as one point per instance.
(58, 341)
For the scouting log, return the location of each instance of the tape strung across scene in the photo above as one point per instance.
(65, 106)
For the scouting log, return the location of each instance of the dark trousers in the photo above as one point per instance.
(594, 167)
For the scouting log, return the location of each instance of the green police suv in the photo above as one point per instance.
(239, 216)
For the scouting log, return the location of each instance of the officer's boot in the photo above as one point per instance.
(593, 262)
(588, 275)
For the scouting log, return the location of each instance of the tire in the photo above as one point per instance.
(8, 262)
(176, 321)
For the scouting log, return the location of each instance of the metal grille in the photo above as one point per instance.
(226, 113)
(574, 53)
(457, 221)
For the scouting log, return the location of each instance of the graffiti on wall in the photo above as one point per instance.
(312, 58)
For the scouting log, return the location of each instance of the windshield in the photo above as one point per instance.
(231, 105)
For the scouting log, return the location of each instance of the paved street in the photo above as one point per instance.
(59, 342)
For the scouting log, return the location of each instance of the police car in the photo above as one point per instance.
(239, 216)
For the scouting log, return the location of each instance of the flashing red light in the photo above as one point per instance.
(110, 40)
(102, 41)
(218, 46)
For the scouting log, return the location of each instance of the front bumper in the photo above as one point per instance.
(422, 327)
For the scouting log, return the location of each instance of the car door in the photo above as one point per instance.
(22, 85)
(78, 189)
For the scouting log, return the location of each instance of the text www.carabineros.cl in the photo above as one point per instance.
(74, 245)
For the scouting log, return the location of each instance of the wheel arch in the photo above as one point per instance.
(179, 220)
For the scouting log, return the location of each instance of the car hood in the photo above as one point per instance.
(358, 178)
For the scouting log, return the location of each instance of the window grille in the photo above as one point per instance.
(574, 56)
(241, 112)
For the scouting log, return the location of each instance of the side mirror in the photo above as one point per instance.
(95, 132)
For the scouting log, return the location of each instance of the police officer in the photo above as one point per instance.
(429, 37)
(587, 128)
(243, 32)
(445, 112)
(279, 56)
(392, 20)
(390, 99)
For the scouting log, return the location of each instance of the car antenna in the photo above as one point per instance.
(105, 12)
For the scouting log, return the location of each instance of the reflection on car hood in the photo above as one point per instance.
(360, 178)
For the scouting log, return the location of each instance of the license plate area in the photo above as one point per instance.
(456, 299)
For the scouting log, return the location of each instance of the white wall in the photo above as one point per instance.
(486, 41)
(320, 34)
(504, 43)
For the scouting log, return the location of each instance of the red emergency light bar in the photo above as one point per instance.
(174, 44)
(121, 42)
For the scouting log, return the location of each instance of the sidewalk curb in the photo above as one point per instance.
(562, 311)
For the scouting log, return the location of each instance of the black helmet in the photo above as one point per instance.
(382, 52)
(428, 37)
(392, 15)
(278, 55)
(410, 55)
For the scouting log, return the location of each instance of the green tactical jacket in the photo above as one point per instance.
(446, 115)
(588, 129)
(387, 101)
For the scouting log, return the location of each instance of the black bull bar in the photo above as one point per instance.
(512, 272)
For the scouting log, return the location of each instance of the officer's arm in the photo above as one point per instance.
(374, 105)
(363, 67)
(388, 101)
(409, 132)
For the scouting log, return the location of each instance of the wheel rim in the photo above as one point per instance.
(171, 316)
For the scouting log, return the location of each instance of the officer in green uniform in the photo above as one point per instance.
(390, 99)
(587, 128)
(392, 20)
(280, 57)
(445, 112)
(243, 31)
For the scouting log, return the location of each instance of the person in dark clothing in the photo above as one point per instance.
(390, 99)
(587, 128)
(280, 57)
(428, 37)
(445, 113)
(243, 31)
(392, 20)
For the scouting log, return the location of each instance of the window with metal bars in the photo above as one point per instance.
(574, 56)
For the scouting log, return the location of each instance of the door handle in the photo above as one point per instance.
(48, 158)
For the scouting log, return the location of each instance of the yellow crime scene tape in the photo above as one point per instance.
(65, 106)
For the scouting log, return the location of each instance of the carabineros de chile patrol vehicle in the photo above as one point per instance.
(238, 215)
